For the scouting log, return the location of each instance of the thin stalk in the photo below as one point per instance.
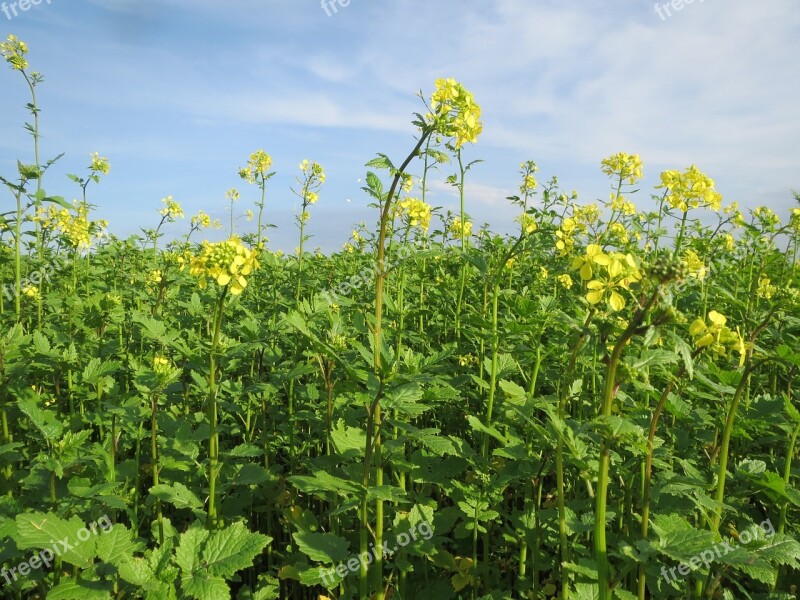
(213, 437)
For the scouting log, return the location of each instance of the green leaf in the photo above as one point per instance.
(176, 494)
(232, 549)
(348, 441)
(322, 547)
(75, 544)
(44, 420)
(117, 545)
(85, 590)
(201, 586)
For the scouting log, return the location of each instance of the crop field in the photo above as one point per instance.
(603, 403)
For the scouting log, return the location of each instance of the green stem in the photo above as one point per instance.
(213, 438)
(154, 459)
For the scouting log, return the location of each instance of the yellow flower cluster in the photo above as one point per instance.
(767, 216)
(738, 217)
(467, 360)
(528, 223)
(564, 236)
(313, 171)
(621, 204)
(99, 164)
(30, 291)
(794, 220)
(717, 336)
(587, 215)
(695, 265)
(690, 189)
(162, 366)
(201, 220)
(619, 231)
(619, 271)
(623, 165)
(13, 50)
(457, 228)
(765, 288)
(257, 167)
(455, 113)
(172, 210)
(565, 280)
(543, 273)
(76, 228)
(228, 262)
(232, 194)
(416, 212)
(408, 183)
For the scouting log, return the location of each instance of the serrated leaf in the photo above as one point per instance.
(232, 549)
(85, 590)
(116, 545)
(176, 494)
(326, 548)
(44, 531)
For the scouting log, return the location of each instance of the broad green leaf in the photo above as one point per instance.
(70, 539)
(176, 494)
(326, 548)
(232, 549)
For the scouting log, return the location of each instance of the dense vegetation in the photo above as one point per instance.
(600, 405)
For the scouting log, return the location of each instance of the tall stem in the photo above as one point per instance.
(213, 436)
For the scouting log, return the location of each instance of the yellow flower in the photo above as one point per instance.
(543, 273)
(312, 197)
(565, 280)
(528, 223)
(730, 241)
(587, 215)
(594, 256)
(457, 228)
(621, 272)
(564, 240)
(765, 289)
(99, 164)
(232, 194)
(226, 263)
(690, 189)
(155, 277)
(172, 210)
(622, 205)
(619, 231)
(794, 220)
(248, 214)
(716, 336)
(416, 212)
(162, 366)
(767, 216)
(30, 291)
(13, 50)
(257, 167)
(408, 183)
(455, 113)
(695, 265)
(623, 165)
(201, 220)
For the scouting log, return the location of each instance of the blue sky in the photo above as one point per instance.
(178, 93)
